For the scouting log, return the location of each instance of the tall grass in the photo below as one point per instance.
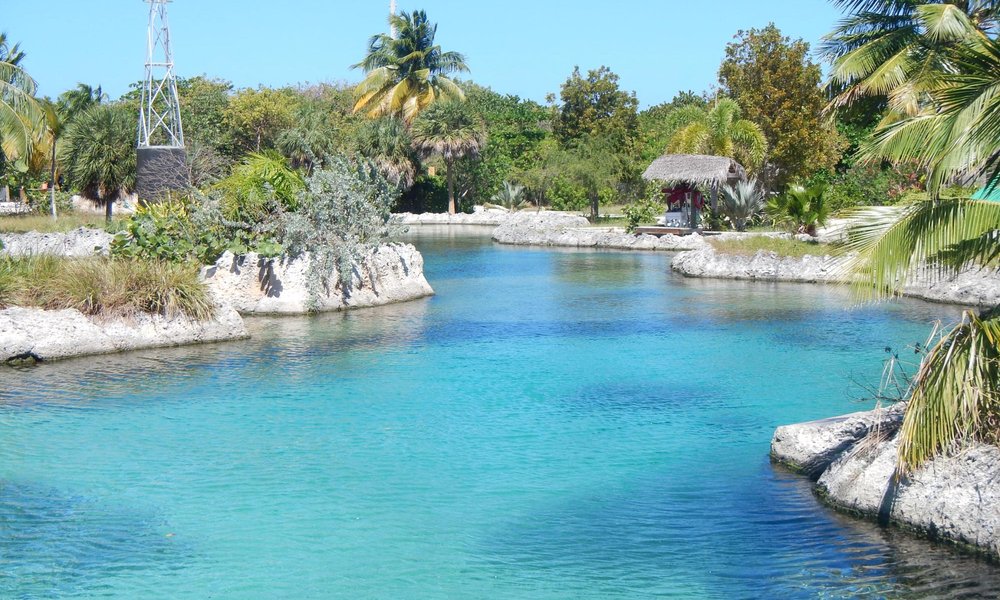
(104, 287)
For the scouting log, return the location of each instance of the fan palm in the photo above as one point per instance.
(99, 153)
(720, 131)
(450, 131)
(898, 49)
(407, 73)
(387, 143)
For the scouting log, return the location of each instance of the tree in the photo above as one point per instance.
(895, 52)
(657, 124)
(451, 131)
(100, 152)
(310, 139)
(258, 116)
(719, 131)
(777, 86)
(387, 144)
(82, 97)
(21, 117)
(596, 106)
(58, 116)
(407, 73)
(203, 104)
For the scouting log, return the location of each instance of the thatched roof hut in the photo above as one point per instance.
(695, 169)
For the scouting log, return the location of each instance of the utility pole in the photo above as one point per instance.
(392, 13)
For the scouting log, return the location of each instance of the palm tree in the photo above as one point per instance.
(58, 116)
(21, 116)
(100, 152)
(407, 73)
(450, 131)
(80, 98)
(898, 49)
(719, 131)
(387, 143)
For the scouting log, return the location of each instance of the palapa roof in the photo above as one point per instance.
(694, 168)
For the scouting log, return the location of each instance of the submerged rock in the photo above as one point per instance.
(255, 285)
(77, 243)
(43, 335)
(952, 498)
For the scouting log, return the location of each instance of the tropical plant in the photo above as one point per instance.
(21, 117)
(167, 231)
(511, 196)
(719, 131)
(899, 50)
(387, 143)
(452, 132)
(803, 209)
(258, 116)
(407, 72)
(955, 394)
(345, 212)
(99, 154)
(260, 185)
(741, 202)
(642, 211)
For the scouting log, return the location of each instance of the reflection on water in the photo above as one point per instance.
(549, 425)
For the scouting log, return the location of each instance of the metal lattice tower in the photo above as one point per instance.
(392, 13)
(159, 113)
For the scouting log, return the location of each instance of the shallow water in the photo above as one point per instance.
(551, 425)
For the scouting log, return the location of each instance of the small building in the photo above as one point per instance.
(686, 178)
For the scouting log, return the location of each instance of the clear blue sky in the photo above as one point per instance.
(523, 47)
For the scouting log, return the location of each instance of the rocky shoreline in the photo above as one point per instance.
(970, 288)
(240, 286)
(852, 459)
(531, 228)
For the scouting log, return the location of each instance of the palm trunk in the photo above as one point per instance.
(52, 182)
(595, 200)
(451, 188)
(109, 202)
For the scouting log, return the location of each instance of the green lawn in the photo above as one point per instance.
(46, 224)
(783, 247)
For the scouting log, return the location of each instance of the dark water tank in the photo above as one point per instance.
(159, 170)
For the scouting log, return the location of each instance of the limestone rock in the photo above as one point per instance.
(54, 334)
(531, 228)
(254, 285)
(811, 447)
(955, 498)
(77, 243)
(479, 216)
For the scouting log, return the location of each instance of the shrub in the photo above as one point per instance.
(104, 287)
(566, 195)
(641, 211)
(345, 212)
(165, 231)
(511, 196)
(259, 187)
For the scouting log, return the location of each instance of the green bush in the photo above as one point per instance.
(165, 231)
(868, 185)
(566, 195)
(641, 211)
(802, 209)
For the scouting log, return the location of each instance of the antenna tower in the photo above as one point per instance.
(392, 13)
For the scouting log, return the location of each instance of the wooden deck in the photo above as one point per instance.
(658, 231)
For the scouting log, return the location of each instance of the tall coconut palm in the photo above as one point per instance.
(21, 117)
(407, 73)
(898, 49)
(387, 143)
(720, 131)
(58, 116)
(451, 131)
(100, 152)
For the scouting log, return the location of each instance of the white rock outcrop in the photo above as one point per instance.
(954, 498)
(255, 285)
(480, 216)
(77, 243)
(970, 288)
(530, 228)
(44, 335)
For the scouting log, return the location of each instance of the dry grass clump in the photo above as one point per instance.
(104, 287)
(751, 245)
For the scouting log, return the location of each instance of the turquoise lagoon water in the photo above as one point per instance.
(550, 425)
